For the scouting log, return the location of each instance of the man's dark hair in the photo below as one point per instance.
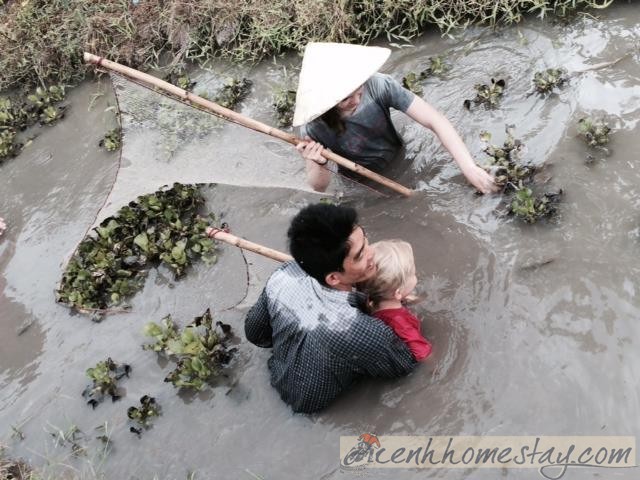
(318, 238)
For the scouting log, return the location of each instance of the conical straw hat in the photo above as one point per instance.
(330, 73)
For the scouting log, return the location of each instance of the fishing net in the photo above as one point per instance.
(166, 141)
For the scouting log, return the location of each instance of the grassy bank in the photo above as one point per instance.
(41, 40)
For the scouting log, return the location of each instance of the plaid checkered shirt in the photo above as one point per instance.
(321, 340)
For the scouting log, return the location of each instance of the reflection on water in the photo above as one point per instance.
(534, 327)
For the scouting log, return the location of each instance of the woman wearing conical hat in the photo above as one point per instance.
(343, 104)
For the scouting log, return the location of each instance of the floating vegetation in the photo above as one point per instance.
(111, 141)
(199, 350)
(284, 102)
(143, 415)
(44, 97)
(50, 115)
(488, 95)
(411, 81)
(44, 101)
(8, 146)
(15, 116)
(594, 132)
(505, 163)
(437, 66)
(18, 115)
(110, 264)
(547, 80)
(179, 77)
(233, 92)
(105, 376)
(530, 208)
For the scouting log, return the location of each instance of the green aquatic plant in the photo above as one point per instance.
(104, 378)
(39, 105)
(110, 264)
(594, 132)
(17, 115)
(411, 81)
(548, 80)
(530, 208)
(284, 102)
(179, 77)
(143, 416)
(437, 66)
(51, 114)
(233, 92)
(45, 97)
(8, 146)
(6, 111)
(487, 95)
(200, 349)
(505, 161)
(111, 140)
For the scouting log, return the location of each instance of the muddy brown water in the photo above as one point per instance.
(535, 327)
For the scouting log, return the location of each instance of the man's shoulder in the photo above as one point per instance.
(288, 271)
(379, 82)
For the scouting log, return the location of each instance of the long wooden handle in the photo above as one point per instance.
(247, 245)
(238, 118)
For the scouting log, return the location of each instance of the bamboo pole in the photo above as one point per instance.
(236, 117)
(231, 239)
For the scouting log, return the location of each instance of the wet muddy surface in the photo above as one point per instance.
(534, 327)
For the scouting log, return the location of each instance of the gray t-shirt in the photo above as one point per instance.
(370, 138)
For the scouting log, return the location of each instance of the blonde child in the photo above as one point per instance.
(393, 282)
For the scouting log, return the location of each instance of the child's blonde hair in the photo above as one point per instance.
(394, 260)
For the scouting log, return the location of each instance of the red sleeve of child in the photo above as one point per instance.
(407, 327)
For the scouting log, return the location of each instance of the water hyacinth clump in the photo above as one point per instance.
(411, 81)
(487, 95)
(200, 349)
(104, 377)
(17, 115)
(44, 100)
(531, 208)
(547, 80)
(143, 415)
(437, 66)
(284, 102)
(233, 92)
(178, 76)
(8, 146)
(110, 264)
(505, 162)
(594, 132)
(111, 140)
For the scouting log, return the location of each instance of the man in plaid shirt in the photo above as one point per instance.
(311, 316)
